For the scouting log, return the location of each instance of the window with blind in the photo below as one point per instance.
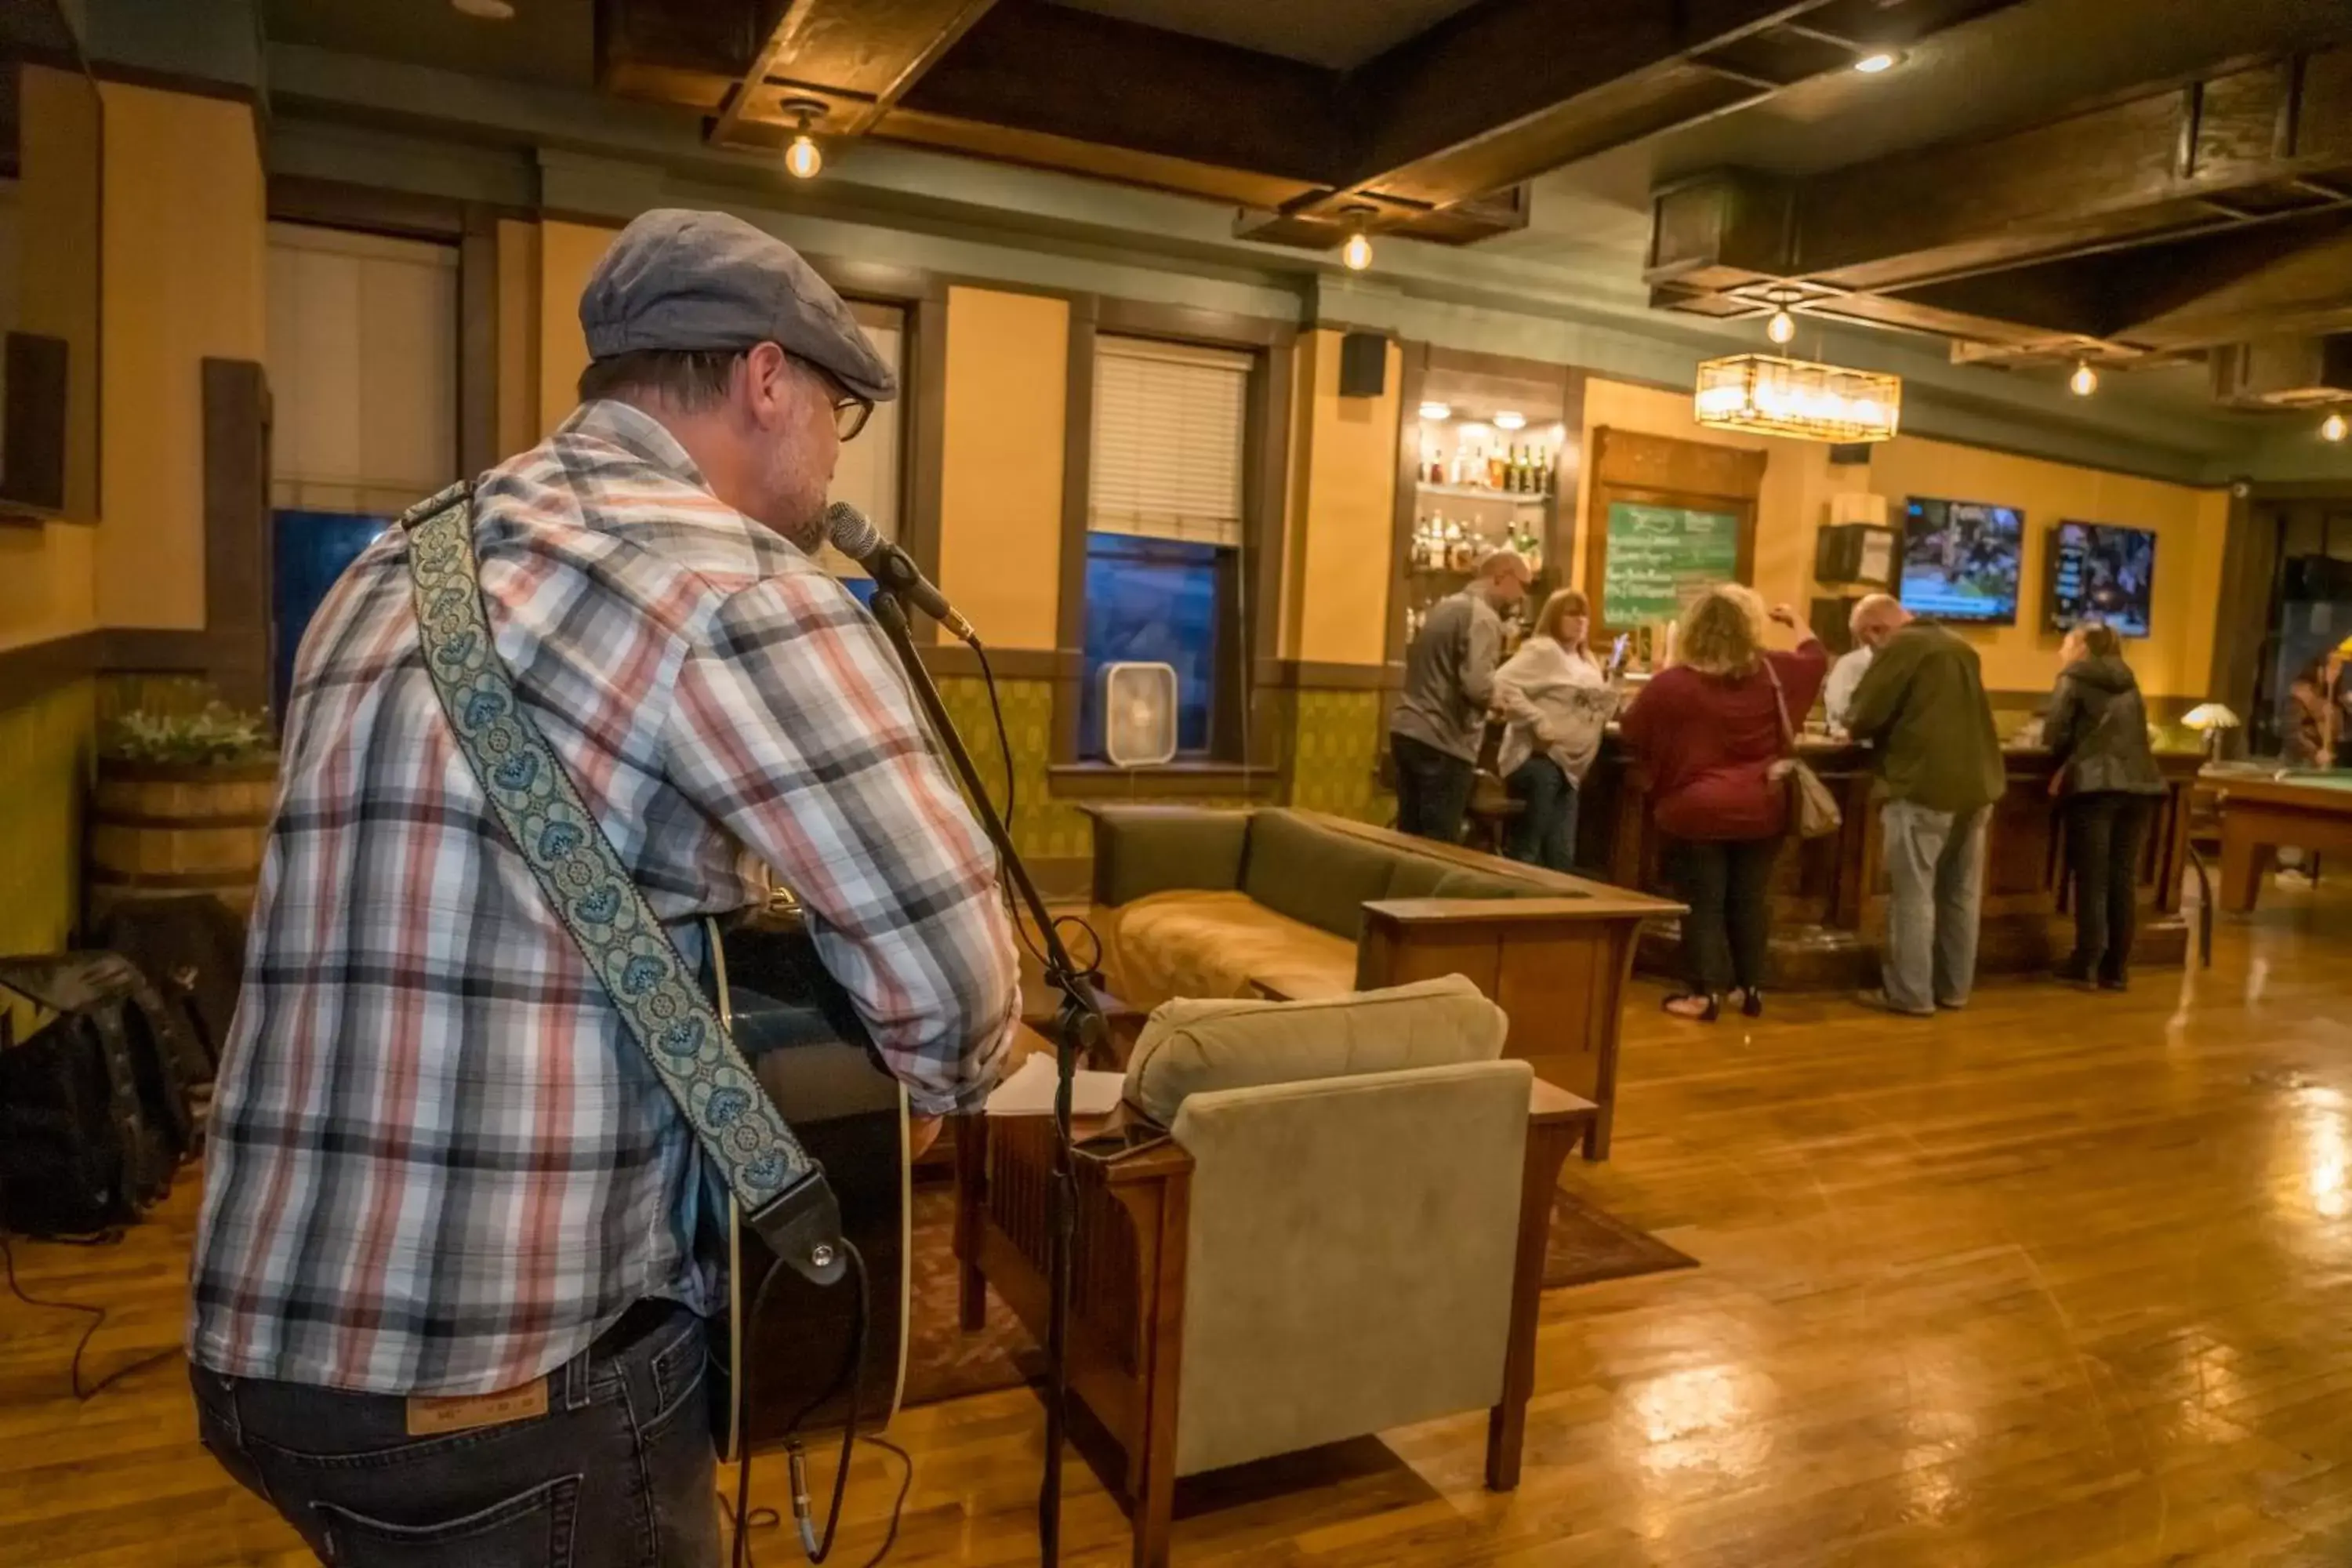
(1165, 530)
(362, 363)
(867, 476)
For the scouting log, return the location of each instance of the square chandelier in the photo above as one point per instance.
(1797, 397)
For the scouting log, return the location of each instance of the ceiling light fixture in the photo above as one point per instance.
(1357, 254)
(1437, 411)
(1782, 327)
(2332, 428)
(484, 10)
(1510, 420)
(1797, 397)
(2084, 381)
(1880, 61)
(802, 158)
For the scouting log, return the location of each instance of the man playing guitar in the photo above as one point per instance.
(445, 1303)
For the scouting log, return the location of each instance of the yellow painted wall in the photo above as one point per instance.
(184, 280)
(1000, 484)
(45, 758)
(1343, 510)
(518, 295)
(2190, 526)
(567, 253)
(49, 584)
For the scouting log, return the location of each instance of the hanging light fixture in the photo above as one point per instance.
(2332, 428)
(802, 158)
(1817, 402)
(1782, 327)
(1357, 254)
(2084, 381)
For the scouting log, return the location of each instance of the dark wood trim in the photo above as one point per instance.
(181, 82)
(1077, 476)
(1605, 491)
(236, 419)
(1184, 324)
(923, 431)
(1412, 376)
(1097, 781)
(153, 651)
(1564, 523)
(2301, 489)
(2250, 547)
(952, 658)
(372, 209)
(1266, 482)
(478, 341)
(36, 670)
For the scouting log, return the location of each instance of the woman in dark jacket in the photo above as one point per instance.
(2097, 731)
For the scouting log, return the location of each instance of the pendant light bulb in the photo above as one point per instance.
(1781, 328)
(2084, 381)
(801, 159)
(1357, 253)
(2332, 428)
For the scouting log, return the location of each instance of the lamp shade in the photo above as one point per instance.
(2209, 716)
(1797, 397)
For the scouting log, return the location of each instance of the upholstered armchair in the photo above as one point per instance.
(1317, 1220)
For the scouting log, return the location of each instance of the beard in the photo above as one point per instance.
(795, 493)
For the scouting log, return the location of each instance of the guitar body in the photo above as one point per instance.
(809, 1051)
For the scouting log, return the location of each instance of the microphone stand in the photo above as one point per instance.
(1078, 1026)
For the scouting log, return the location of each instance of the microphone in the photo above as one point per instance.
(892, 567)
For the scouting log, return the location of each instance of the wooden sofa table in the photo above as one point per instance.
(1127, 1322)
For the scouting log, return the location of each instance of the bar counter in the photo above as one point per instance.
(1830, 894)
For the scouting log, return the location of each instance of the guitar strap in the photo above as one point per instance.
(783, 1193)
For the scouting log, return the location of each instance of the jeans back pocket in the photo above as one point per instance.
(530, 1530)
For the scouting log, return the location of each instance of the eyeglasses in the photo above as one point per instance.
(850, 411)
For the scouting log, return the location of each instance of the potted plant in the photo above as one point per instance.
(181, 806)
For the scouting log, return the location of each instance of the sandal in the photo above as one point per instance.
(1680, 1006)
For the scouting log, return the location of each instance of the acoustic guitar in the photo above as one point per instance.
(811, 1054)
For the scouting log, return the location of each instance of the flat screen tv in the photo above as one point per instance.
(1960, 560)
(2101, 572)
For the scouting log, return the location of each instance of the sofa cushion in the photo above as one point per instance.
(1414, 877)
(1195, 1045)
(1210, 944)
(1463, 883)
(1318, 875)
(1141, 849)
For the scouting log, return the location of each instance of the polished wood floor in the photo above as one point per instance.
(2064, 1279)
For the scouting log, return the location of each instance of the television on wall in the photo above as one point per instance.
(1962, 560)
(2103, 573)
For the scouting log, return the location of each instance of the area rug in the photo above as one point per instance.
(942, 1360)
(1588, 1244)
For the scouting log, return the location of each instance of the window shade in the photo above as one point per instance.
(867, 476)
(362, 360)
(1166, 459)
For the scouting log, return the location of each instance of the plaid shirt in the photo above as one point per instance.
(438, 1163)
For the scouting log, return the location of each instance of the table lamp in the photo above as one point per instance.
(2209, 720)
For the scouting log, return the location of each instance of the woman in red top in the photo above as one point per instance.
(1707, 731)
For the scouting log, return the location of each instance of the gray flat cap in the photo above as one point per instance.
(677, 278)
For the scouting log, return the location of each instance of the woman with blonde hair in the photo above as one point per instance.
(1557, 700)
(1707, 732)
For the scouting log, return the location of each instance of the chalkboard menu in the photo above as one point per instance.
(1659, 557)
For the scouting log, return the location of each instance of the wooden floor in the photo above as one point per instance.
(2064, 1279)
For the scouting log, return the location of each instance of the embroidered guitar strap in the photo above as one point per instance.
(783, 1193)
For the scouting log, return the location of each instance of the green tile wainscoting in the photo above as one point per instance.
(47, 747)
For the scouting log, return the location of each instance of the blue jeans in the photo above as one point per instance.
(1432, 790)
(1545, 834)
(616, 1472)
(1935, 872)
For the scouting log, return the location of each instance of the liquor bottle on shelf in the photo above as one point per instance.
(1511, 470)
(1495, 468)
(1461, 550)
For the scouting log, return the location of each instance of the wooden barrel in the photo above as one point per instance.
(159, 828)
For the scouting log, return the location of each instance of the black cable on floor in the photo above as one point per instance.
(97, 1320)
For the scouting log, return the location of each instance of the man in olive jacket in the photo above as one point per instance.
(1922, 706)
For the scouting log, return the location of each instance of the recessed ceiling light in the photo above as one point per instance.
(486, 10)
(1437, 411)
(1872, 64)
(1508, 420)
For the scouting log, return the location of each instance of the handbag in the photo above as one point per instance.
(1812, 809)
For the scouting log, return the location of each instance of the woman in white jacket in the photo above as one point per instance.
(1556, 700)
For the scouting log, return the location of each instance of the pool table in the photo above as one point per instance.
(2264, 812)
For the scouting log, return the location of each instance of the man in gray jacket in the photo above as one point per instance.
(1449, 684)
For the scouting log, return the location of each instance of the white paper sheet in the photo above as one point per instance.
(1030, 1091)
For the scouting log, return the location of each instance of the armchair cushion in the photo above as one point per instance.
(1314, 874)
(1192, 1045)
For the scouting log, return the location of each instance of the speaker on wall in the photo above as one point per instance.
(1844, 454)
(1363, 364)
